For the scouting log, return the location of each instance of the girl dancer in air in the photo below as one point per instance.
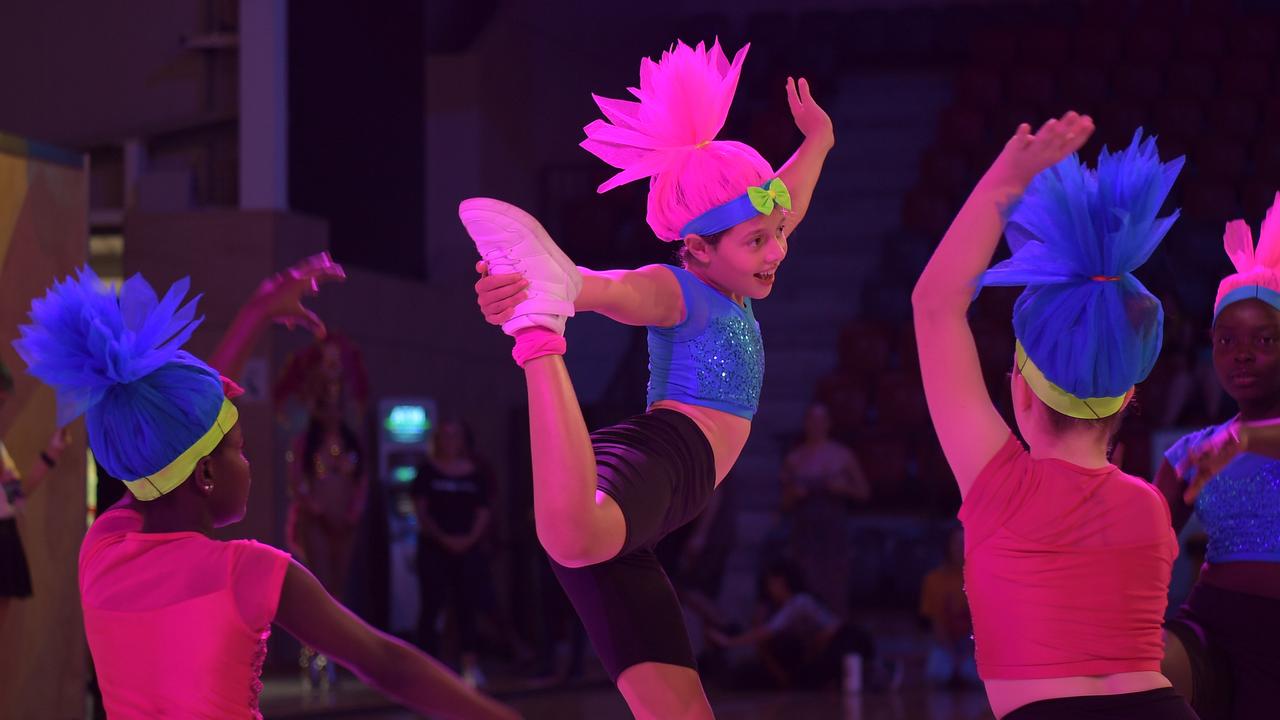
(1222, 646)
(1067, 559)
(177, 622)
(602, 501)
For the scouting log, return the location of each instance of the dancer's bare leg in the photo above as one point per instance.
(577, 525)
(659, 691)
(1176, 666)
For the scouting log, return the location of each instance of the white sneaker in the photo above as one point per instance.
(511, 240)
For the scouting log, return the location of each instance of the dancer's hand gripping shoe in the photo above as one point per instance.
(511, 241)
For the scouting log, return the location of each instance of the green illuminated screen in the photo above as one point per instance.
(407, 423)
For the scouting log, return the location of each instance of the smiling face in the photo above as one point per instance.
(1246, 352)
(745, 261)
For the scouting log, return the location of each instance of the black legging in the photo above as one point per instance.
(660, 469)
(450, 580)
(1231, 641)
(1161, 704)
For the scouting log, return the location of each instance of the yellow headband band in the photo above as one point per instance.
(175, 473)
(1061, 400)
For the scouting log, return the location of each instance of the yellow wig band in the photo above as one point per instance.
(175, 473)
(1061, 400)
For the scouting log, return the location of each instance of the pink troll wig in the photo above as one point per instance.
(669, 135)
(1257, 273)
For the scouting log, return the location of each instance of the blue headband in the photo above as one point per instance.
(1248, 292)
(755, 201)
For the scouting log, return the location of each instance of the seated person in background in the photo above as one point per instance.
(801, 643)
(945, 609)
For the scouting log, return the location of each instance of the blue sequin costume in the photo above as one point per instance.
(714, 358)
(1240, 507)
(1230, 633)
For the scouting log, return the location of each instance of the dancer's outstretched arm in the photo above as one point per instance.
(410, 676)
(34, 477)
(1183, 483)
(1209, 456)
(968, 426)
(648, 297)
(801, 172)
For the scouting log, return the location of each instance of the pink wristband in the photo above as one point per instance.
(537, 342)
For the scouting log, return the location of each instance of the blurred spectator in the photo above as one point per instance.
(329, 486)
(800, 643)
(451, 496)
(328, 479)
(820, 478)
(1189, 393)
(945, 608)
(15, 577)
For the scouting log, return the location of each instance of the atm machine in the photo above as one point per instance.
(406, 426)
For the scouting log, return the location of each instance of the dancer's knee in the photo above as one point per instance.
(573, 546)
(576, 537)
(659, 690)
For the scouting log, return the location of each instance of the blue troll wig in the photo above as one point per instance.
(1087, 330)
(152, 409)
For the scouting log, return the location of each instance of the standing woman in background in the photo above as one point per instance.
(451, 496)
(820, 479)
(328, 477)
(330, 485)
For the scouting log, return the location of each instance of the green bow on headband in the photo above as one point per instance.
(764, 198)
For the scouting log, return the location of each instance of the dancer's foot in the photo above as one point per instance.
(511, 240)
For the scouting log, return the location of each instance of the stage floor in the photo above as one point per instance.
(285, 698)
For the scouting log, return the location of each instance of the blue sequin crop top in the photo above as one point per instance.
(714, 358)
(1240, 507)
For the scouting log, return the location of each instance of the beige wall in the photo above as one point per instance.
(43, 226)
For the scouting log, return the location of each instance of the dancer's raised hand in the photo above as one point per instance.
(810, 118)
(279, 297)
(1027, 154)
(1208, 457)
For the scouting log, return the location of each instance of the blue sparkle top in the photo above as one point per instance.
(1240, 507)
(714, 358)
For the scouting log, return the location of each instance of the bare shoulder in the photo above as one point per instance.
(659, 273)
(663, 287)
